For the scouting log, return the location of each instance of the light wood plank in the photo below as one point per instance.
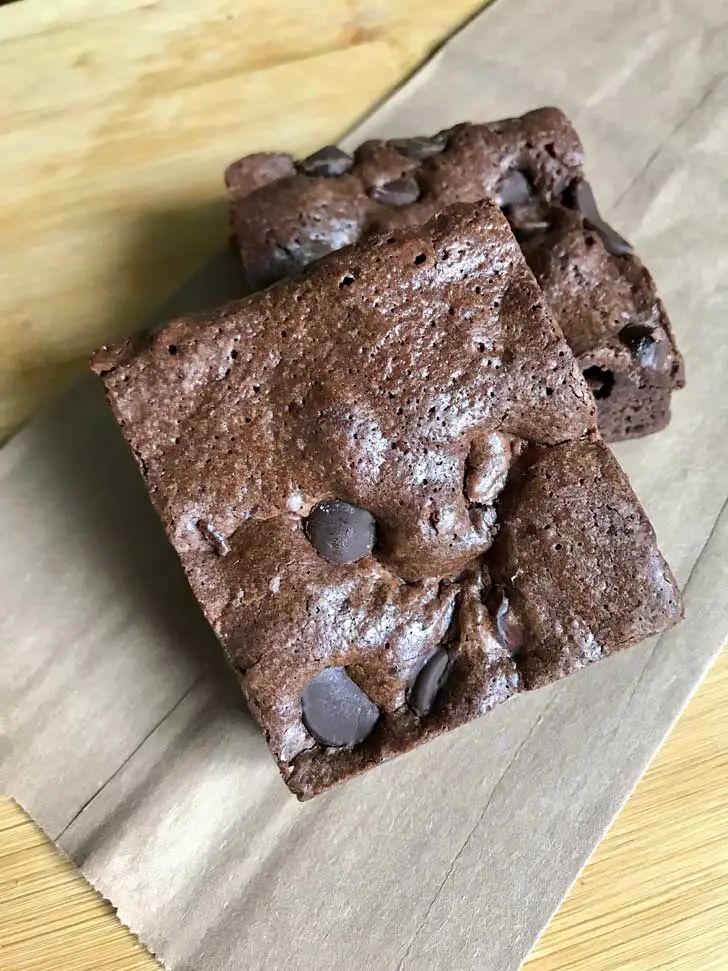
(50, 918)
(655, 894)
(111, 160)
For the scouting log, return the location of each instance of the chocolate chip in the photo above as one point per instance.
(214, 537)
(420, 147)
(328, 161)
(652, 354)
(648, 347)
(613, 243)
(585, 201)
(430, 678)
(508, 629)
(586, 204)
(514, 190)
(335, 709)
(400, 192)
(600, 381)
(340, 532)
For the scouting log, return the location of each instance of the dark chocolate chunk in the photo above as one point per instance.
(647, 346)
(400, 192)
(613, 243)
(508, 629)
(586, 204)
(585, 200)
(328, 161)
(600, 381)
(335, 709)
(420, 147)
(428, 682)
(652, 353)
(514, 190)
(214, 537)
(340, 532)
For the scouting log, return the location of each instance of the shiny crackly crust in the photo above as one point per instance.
(284, 219)
(419, 376)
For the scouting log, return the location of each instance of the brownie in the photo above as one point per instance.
(286, 214)
(384, 481)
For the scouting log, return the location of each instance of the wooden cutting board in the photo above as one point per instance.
(116, 122)
(160, 93)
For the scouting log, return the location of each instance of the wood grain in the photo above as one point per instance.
(110, 165)
(654, 896)
(115, 128)
(50, 918)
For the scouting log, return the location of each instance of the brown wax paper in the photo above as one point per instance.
(124, 734)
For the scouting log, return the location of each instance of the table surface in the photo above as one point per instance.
(110, 163)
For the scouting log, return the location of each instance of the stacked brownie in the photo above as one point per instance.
(383, 474)
(287, 214)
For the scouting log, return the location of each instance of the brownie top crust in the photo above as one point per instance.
(365, 381)
(287, 214)
(374, 474)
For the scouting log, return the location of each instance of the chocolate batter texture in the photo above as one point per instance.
(383, 480)
(286, 215)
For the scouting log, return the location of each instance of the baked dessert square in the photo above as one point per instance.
(385, 485)
(286, 214)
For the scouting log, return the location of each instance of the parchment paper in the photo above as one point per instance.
(126, 737)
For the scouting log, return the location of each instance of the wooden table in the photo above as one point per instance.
(115, 124)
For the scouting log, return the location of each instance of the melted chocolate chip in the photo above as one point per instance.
(586, 204)
(420, 147)
(340, 532)
(585, 201)
(430, 678)
(613, 243)
(335, 709)
(400, 192)
(648, 347)
(328, 161)
(214, 537)
(514, 190)
(508, 629)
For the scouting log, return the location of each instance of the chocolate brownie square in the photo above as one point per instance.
(385, 485)
(286, 214)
